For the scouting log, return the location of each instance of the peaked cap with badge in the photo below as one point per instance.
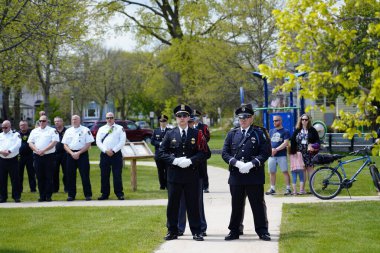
(182, 108)
(244, 110)
(163, 117)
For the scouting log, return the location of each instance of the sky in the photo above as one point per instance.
(115, 40)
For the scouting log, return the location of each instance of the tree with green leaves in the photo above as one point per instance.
(337, 44)
(56, 40)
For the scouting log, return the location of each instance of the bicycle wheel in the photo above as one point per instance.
(325, 183)
(375, 176)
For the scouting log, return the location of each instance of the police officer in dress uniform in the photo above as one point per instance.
(245, 150)
(206, 133)
(42, 141)
(60, 156)
(77, 140)
(110, 139)
(26, 158)
(158, 136)
(182, 205)
(182, 151)
(10, 143)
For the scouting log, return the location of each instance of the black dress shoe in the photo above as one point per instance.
(204, 233)
(102, 198)
(198, 237)
(88, 198)
(265, 237)
(170, 236)
(49, 200)
(162, 187)
(41, 200)
(3, 200)
(70, 199)
(17, 200)
(231, 236)
(120, 197)
(180, 233)
(241, 233)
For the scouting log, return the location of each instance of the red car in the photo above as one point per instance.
(133, 131)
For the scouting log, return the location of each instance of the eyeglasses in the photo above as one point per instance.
(304, 119)
(276, 120)
(163, 120)
(245, 117)
(42, 120)
(109, 117)
(182, 115)
(4, 127)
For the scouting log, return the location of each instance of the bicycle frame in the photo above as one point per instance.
(341, 164)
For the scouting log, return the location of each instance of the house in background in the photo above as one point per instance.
(28, 104)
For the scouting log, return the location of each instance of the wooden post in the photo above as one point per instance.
(133, 175)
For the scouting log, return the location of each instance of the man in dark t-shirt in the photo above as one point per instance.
(279, 139)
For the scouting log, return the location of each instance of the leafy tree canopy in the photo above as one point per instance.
(337, 44)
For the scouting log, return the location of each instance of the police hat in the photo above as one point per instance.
(163, 118)
(183, 109)
(245, 110)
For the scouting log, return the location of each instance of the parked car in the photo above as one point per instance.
(132, 130)
(143, 124)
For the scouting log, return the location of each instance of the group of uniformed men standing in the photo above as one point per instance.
(181, 155)
(44, 149)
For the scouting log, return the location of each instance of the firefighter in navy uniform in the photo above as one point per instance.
(183, 148)
(26, 157)
(245, 150)
(158, 136)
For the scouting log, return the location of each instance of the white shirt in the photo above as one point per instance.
(43, 137)
(77, 138)
(10, 141)
(115, 139)
(180, 130)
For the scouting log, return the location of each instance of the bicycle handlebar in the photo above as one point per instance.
(366, 149)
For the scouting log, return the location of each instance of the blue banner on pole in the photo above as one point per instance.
(241, 95)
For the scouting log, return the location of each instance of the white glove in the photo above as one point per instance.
(176, 161)
(185, 163)
(246, 167)
(239, 164)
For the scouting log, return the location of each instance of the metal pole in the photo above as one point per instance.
(72, 105)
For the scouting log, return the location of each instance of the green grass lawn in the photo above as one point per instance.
(82, 229)
(330, 227)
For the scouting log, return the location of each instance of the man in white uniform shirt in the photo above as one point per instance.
(10, 143)
(110, 139)
(77, 140)
(42, 141)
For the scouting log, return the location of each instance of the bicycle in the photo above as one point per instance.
(327, 182)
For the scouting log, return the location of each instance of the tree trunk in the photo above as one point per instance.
(16, 108)
(5, 110)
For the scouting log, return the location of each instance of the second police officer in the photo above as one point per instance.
(245, 150)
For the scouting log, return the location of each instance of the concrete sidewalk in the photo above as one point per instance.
(218, 211)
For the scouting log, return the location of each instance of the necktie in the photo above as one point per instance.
(183, 137)
(243, 134)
